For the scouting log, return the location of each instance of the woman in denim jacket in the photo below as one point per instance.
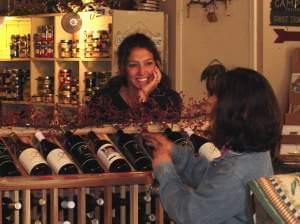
(246, 126)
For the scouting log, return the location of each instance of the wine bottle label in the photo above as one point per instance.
(210, 151)
(107, 154)
(2, 148)
(133, 155)
(81, 152)
(2, 163)
(29, 158)
(5, 158)
(57, 158)
(79, 148)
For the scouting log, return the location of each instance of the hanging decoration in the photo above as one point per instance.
(210, 6)
(71, 22)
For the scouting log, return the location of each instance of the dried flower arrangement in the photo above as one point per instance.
(53, 117)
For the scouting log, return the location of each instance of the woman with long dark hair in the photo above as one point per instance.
(246, 127)
(140, 92)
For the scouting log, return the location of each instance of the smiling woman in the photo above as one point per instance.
(141, 92)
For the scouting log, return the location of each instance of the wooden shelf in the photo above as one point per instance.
(24, 102)
(14, 59)
(42, 59)
(15, 102)
(85, 59)
(72, 181)
(67, 105)
(68, 59)
(97, 59)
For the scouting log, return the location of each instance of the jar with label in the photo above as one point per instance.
(64, 75)
(65, 48)
(49, 32)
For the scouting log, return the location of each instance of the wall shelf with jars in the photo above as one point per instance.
(67, 67)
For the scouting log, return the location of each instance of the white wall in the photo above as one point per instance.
(199, 41)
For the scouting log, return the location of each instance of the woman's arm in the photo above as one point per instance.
(189, 168)
(216, 199)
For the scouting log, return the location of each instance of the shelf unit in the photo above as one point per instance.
(288, 152)
(123, 23)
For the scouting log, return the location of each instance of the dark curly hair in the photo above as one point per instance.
(138, 40)
(246, 116)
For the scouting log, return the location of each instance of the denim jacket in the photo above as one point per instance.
(194, 190)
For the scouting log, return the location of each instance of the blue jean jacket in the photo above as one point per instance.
(194, 190)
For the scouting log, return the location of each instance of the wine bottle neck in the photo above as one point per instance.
(13, 205)
(39, 136)
(67, 204)
(189, 131)
(100, 202)
(16, 139)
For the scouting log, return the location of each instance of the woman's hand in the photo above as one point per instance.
(145, 91)
(162, 148)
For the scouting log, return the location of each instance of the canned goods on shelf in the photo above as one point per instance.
(65, 72)
(65, 44)
(76, 54)
(65, 100)
(36, 99)
(49, 98)
(65, 53)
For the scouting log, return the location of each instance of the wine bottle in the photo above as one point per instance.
(91, 202)
(66, 203)
(55, 156)
(36, 221)
(203, 146)
(8, 206)
(79, 150)
(7, 221)
(119, 202)
(109, 156)
(134, 154)
(177, 137)
(147, 218)
(7, 165)
(64, 222)
(91, 220)
(30, 157)
(37, 201)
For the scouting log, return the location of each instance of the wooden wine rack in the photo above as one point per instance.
(22, 187)
(54, 183)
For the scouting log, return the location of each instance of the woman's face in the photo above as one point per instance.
(140, 67)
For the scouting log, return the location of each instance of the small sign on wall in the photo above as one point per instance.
(285, 13)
